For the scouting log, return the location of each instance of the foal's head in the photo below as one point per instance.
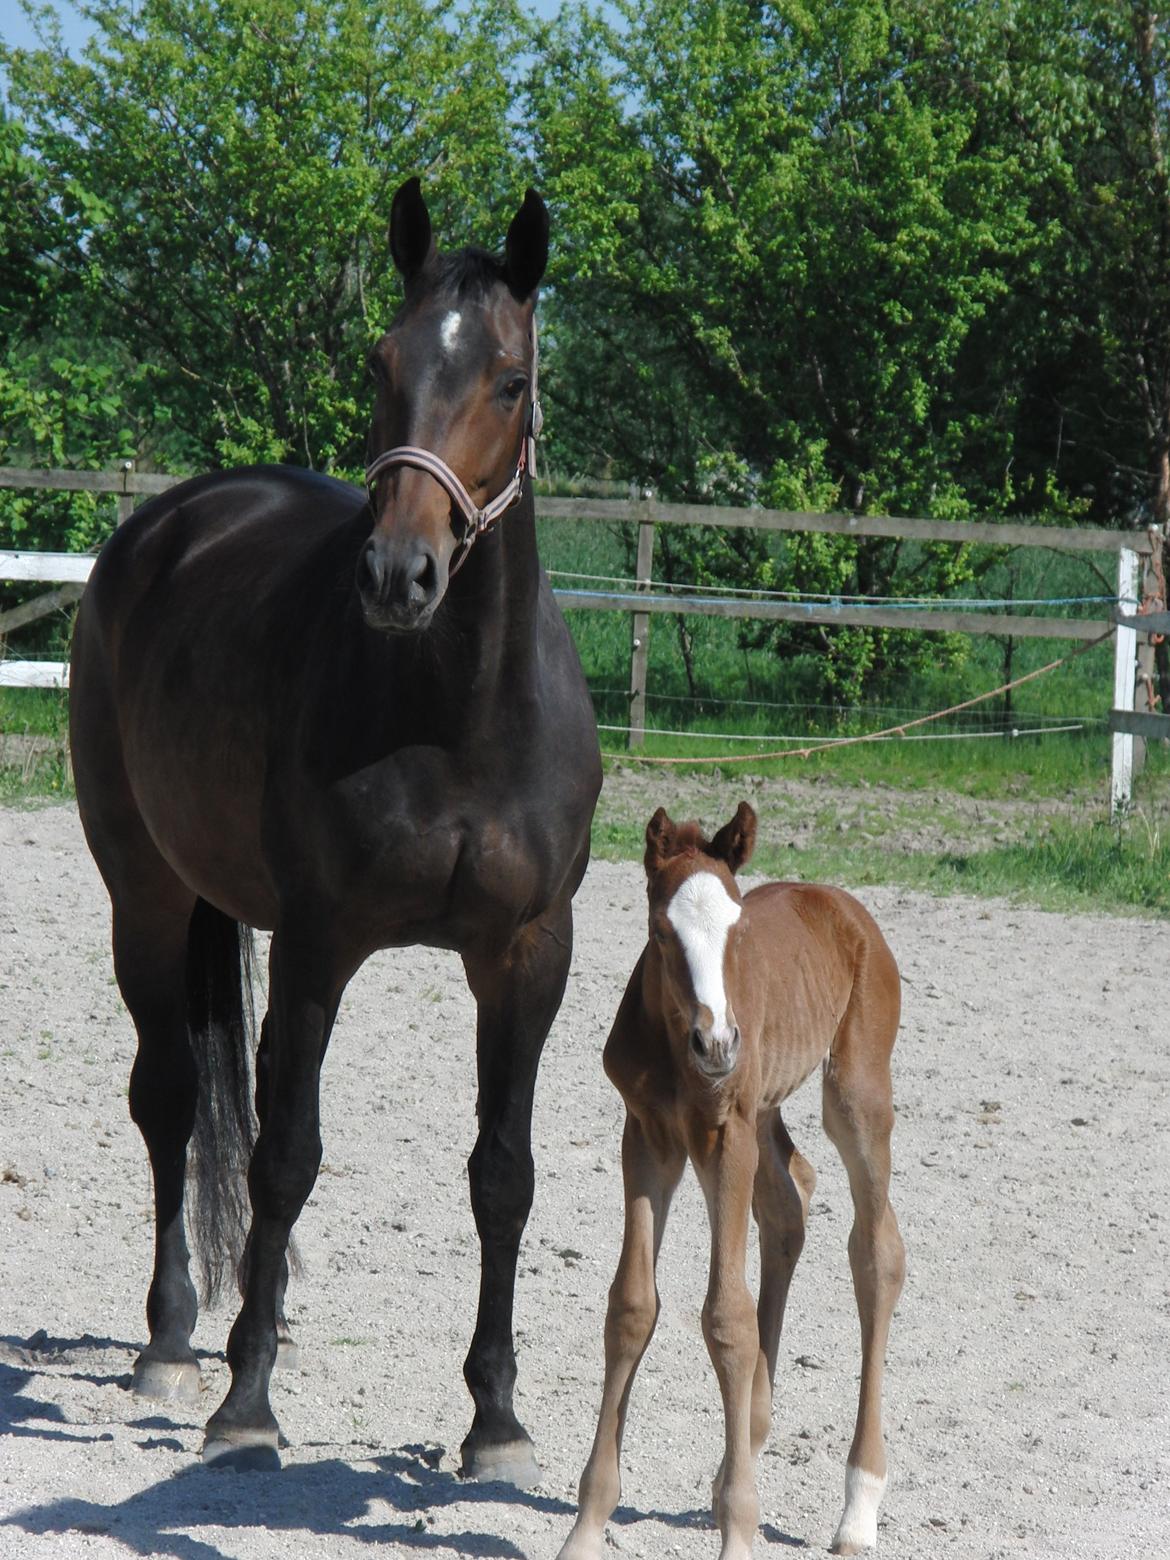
(695, 911)
(456, 379)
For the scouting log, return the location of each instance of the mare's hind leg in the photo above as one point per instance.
(288, 1355)
(650, 1173)
(784, 1186)
(304, 993)
(859, 1117)
(518, 994)
(150, 957)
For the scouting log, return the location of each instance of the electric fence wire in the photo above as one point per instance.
(831, 598)
(926, 736)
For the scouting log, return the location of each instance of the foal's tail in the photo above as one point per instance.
(221, 1024)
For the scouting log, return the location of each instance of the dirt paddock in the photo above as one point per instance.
(1027, 1405)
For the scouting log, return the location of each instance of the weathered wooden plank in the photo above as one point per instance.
(88, 481)
(1140, 723)
(45, 566)
(984, 532)
(870, 617)
(38, 607)
(1142, 622)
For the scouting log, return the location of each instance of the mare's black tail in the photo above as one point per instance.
(221, 1025)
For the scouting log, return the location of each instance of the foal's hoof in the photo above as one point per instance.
(246, 1451)
(166, 1381)
(511, 1462)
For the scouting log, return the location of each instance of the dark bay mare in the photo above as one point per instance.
(298, 708)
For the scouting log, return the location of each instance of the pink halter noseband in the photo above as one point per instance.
(476, 521)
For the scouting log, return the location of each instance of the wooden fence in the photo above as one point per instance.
(1127, 719)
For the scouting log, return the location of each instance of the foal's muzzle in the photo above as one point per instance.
(715, 1055)
(400, 582)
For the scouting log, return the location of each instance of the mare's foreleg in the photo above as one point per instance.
(726, 1168)
(650, 1172)
(303, 1000)
(859, 1117)
(518, 993)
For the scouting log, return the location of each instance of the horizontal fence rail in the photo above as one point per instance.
(70, 571)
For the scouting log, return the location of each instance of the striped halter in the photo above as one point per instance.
(476, 521)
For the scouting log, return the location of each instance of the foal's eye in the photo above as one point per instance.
(376, 366)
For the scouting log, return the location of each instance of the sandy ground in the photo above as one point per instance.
(1026, 1393)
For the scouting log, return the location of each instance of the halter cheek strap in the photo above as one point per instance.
(476, 520)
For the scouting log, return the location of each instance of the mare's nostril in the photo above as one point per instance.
(424, 576)
(375, 569)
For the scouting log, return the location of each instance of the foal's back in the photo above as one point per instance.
(816, 976)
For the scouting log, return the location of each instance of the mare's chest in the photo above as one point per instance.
(424, 846)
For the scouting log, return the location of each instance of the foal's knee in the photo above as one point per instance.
(729, 1327)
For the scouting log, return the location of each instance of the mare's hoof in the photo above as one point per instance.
(248, 1451)
(166, 1381)
(288, 1355)
(511, 1462)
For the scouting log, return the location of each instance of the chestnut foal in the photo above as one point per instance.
(733, 1003)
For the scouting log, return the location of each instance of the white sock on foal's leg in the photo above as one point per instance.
(858, 1525)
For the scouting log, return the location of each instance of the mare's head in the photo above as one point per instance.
(695, 911)
(456, 380)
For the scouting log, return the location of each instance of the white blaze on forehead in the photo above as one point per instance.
(702, 913)
(450, 329)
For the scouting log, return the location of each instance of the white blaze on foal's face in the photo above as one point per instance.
(702, 913)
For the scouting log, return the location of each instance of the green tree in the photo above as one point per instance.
(781, 242)
(224, 170)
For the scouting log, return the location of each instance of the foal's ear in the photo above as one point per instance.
(526, 247)
(660, 833)
(412, 244)
(736, 840)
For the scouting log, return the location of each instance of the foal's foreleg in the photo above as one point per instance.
(302, 1006)
(859, 1116)
(726, 1168)
(650, 1173)
(518, 994)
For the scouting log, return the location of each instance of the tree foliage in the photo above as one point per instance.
(902, 256)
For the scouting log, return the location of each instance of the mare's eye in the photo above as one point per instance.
(376, 366)
(514, 388)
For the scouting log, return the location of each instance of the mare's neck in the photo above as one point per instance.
(478, 656)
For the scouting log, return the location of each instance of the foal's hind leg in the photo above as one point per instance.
(150, 954)
(784, 1186)
(859, 1116)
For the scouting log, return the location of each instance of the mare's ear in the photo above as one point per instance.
(412, 244)
(736, 840)
(526, 247)
(660, 832)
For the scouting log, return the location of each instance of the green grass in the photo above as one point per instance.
(1096, 868)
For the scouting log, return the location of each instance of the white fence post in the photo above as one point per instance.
(640, 630)
(1124, 661)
